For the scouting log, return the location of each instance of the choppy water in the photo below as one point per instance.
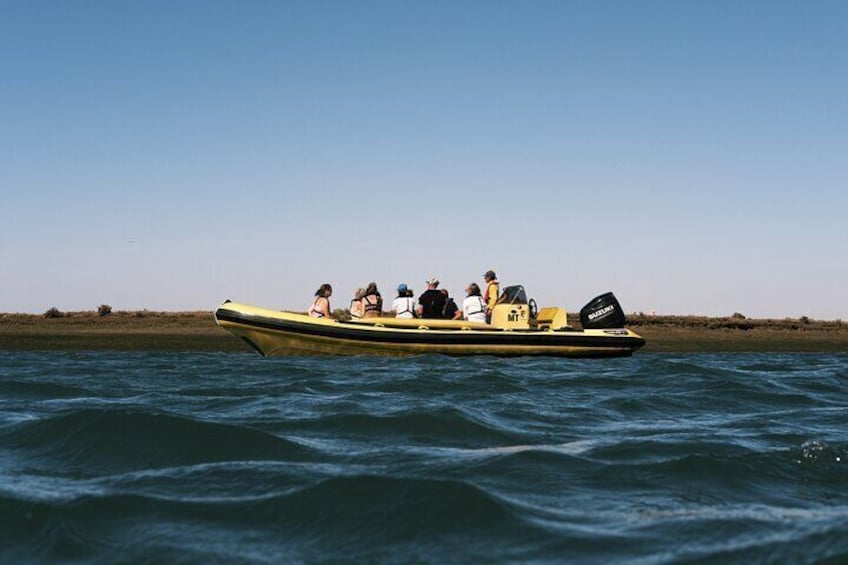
(227, 457)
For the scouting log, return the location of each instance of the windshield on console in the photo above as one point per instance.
(513, 295)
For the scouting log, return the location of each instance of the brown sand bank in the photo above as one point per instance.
(197, 331)
(703, 334)
(126, 331)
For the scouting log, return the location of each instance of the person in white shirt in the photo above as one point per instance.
(404, 304)
(473, 307)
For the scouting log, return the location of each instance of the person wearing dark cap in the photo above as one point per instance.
(404, 304)
(431, 303)
(490, 297)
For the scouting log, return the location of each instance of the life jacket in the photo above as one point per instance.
(482, 307)
(376, 306)
(409, 307)
(487, 297)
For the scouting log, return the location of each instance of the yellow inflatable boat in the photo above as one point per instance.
(517, 328)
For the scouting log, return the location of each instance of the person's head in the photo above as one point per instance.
(324, 290)
(473, 289)
(432, 283)
(402, 288)
(360, 292)
(409, 292)
(372, 288)
(445, 292)
(489, 276)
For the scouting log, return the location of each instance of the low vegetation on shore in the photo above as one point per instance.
(735, 322)
(105, 328)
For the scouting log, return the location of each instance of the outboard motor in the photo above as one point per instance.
(602, 312)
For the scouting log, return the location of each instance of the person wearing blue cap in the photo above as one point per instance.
(404, 304)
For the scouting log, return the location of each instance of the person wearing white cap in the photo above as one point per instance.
(431, 303)
(404, 304)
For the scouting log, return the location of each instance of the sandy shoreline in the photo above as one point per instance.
(197, 331)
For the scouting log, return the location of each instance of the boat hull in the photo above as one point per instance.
(283, 333)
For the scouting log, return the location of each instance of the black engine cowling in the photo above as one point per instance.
(602, 312)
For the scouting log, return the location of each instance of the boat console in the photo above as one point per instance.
(512, 310)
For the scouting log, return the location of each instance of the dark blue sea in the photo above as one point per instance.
(204, 458)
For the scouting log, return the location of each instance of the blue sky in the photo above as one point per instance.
(689, 156)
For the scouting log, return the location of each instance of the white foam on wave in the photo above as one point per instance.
(568, 448)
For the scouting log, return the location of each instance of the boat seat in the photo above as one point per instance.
(551, 318)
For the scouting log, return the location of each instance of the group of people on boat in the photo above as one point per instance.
(434, 303)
